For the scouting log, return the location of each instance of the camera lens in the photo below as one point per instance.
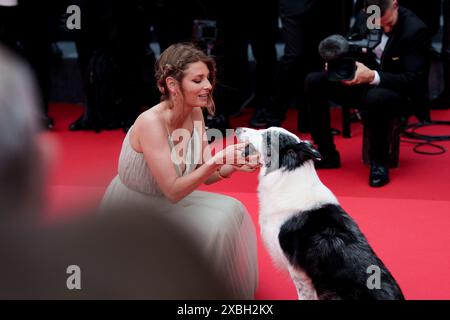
(341, 69)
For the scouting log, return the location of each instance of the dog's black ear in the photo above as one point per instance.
(308, 151)
(293, 156)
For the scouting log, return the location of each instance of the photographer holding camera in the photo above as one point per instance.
(389, 79)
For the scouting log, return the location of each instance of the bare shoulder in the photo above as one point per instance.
(150, 124)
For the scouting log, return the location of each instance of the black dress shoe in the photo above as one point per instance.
(379, 175)
(442, 102)
(48, 122)
(335, 132)
(331, 159)
(303, 127)
(112, 125)
(274, 120)
(84, 124)
(258, 119)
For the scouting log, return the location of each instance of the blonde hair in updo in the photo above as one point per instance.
(175, 60)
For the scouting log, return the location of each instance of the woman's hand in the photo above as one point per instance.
(232, 155)
(251, 164)
(233, 159)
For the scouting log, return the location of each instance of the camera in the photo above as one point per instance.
(205, 31)
(342, 53)
(205, 34)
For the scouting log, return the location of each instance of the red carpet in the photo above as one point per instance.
(407, 222)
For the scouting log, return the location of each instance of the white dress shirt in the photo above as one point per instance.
(379, 53)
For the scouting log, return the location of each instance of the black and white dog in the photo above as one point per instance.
(305, 229)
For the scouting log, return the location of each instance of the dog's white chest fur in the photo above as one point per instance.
(283, 194)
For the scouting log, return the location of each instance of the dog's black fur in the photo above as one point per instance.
(326, 243)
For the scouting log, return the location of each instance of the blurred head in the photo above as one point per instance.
(21, 177)
(126, 252)
(389, 13)
(183, 69)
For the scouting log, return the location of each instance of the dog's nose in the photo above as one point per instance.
(239, 131)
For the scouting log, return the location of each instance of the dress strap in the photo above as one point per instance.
(189, 153)
(172, 146)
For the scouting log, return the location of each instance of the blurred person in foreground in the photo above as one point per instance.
(21, 156)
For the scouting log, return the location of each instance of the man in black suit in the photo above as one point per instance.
(446, 53)
(29, 28)
(442, 101)
(391, 81)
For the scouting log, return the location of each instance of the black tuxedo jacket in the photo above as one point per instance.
(406, 59)
(295, 7)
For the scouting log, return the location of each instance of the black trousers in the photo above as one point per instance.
(19, 33)
(380, 106)
(302, 35)
(241, 28)
(446, 45)
(8, 27)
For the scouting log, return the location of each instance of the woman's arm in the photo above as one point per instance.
(152, 136)
(224, 171)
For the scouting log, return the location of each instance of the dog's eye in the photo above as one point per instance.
(249, 150)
